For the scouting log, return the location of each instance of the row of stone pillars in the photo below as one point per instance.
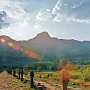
(21, 74)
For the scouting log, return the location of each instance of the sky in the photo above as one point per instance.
(64, 19)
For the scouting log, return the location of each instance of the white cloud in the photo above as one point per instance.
(56, 14)
(22, 30)
(57, 7)
(44, 15)
(60, 17)
(24, 25)
(4, 3)
(60, 14)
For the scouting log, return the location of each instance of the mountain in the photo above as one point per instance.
(52, 48)
(43, 48)
(11, 53)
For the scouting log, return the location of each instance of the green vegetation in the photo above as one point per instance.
(79, 75)
(17, 84)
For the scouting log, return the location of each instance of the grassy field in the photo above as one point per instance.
(18, 85)
(8, 82)
(80, 78)
(50, 78)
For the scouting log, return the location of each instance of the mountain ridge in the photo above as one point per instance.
(47, 34)
(59, 48)
(54, 48)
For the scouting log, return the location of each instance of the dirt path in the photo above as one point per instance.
(55, 87)
(48, 86)
(6, 84)
(5, 81)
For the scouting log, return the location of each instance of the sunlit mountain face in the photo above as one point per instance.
(44, 49)
(16, 46)
(52, 49)
(13, 54)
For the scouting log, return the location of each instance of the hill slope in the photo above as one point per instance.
(59, 48)
(47, 47)
(11, 53)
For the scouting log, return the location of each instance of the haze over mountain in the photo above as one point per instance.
(49, 49)
(58, 48)
(12, 54)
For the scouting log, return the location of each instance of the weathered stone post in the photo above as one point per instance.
(19, 72)
(14, 71)
(32, 79)
(22, 74)
(9, 70)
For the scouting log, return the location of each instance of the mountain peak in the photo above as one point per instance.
(43, 35)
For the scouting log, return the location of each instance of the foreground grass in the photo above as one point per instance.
(53, 79)
(19, 85)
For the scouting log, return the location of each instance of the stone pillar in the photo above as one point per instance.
(19, 72)
(14, 71)
(22, 74)
(32, 79)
